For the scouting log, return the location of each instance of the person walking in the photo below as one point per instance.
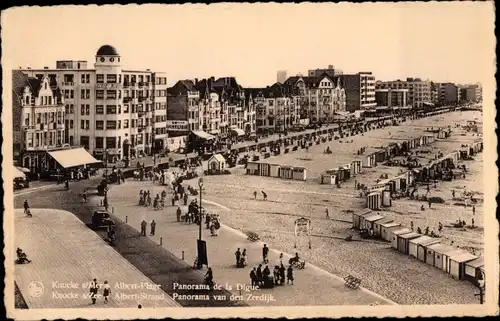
(289, 275)
(253, 277)
(473, 209)
(238, 257)
(282, 271)
(143, 227)
(473, 223)
(259, 275)
(327, 214)
(153, 227)
(178, 213)
(106, 291)
(185, 198)
(84, 196)
(94, 288)
(265, 252)
(27, 208)
(264, 195)
(255, 194)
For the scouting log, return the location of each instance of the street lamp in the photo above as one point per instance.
(481, 287)
(201, 245)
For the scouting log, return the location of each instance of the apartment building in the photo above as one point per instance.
(419, 91)
(112, 112)
(359, 90)
(471, 93)
(391, 97)
(38, 119)
(330, 71)
(183, 103)
(318, 98)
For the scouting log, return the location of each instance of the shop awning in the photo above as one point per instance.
(73, 157)
(203, 135)
(17, 173)
(238, 132)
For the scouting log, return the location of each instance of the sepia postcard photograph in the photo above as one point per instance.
(245, 160)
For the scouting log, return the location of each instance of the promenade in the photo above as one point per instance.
(180, 239)
(66, 255)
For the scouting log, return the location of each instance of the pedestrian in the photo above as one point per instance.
(265, 252)
(259, 274)
(185, 199)
(473, 209)
(238, 257)
(84, 195)
(472, 223)
(106, 291)
(327, 214)
(253, 277)
(264, 196)
(26, 207)
(453, 193)
(143, 227)
(282, 273)
(173, 200)
(429, 203)
(255, 194)
(289, 275)
(153, 227)
(94, 288)
(440, 227)
(411, 225)
(179, 213)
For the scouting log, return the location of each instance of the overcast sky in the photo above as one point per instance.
(437, 41)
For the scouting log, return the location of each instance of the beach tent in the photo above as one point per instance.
(404, 241)
(457, 264)
(396, 233)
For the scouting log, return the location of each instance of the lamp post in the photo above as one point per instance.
(200, 185)
(481, 286)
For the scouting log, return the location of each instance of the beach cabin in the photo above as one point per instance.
(434, 255)
(457, 264)
(473, 270)
(386, 198)
(216, 163)
(422, 248)
(404, 241)
(329, 177)
(299, 173)
(356, 217)
(274, 170)
(395, 234)
(356, 167)
(377, 225)
(369, 221)
(285, 172)
(374, 200)
(369, 160)
(387, 229)
(257, 168)
(415, 244)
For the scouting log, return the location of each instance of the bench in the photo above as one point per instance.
(352, 282)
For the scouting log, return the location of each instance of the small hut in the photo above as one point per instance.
(473, 270)
(216, 163)
(369, 221)
(356, 217)
(457, 264)
(435, 253)
(395, 234)
(387, 229)
(414, 244)
(377, 225)
(404, 241)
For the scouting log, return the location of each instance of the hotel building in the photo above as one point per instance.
(419, 91)
(112, 112)
(359, 91)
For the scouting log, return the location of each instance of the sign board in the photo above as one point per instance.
(177, 125)
(302, 227)
(108, 86)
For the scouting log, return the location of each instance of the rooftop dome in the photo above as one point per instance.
(107, 50)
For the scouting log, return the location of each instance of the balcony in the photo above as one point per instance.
(68, 84)
(142, 99)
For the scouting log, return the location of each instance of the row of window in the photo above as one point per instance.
(114, 109)
(44, 139)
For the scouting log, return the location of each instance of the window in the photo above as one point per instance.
(99, 124)
(99, 78)
(111, 78)
(119, 124)
(71, 123)
(111, 124)
(71, 94)
(87, 93)
(125, 109)
(119, 94)
(119, 109)
(84, 80)
(82, 94)
(125, 93)
(99, 94)
(99, 142)
(99, 109)
(82, 124)
(82, 110)
(125, 123)
(87, 110)
(110, 94)
(110, 109)
(110, 142)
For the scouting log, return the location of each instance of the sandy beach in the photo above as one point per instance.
(383, 270)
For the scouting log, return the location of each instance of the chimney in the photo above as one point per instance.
(330, 66)
(45, 67)
(148, 69)
(196, 81)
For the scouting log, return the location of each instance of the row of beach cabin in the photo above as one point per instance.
(275, 170)
(458, 263)
(341, 173)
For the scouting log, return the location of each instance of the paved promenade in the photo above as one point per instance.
(65, 253)
(179, 238)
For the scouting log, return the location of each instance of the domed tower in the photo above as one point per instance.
(108, 97)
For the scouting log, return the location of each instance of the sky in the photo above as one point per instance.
(437, 41)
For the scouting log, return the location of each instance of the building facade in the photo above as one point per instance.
(38, 119)
(112, 112)
(183, 108)
(450, 94)
(360, 91)
(330, 71)
(419, 91)
(471, 93)
(391, 97)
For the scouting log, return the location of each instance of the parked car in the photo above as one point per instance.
(20, 183)
(101, 220)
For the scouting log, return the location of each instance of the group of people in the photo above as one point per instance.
(21, 257)
(262, 276)
(94, 291)
(264, 195)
